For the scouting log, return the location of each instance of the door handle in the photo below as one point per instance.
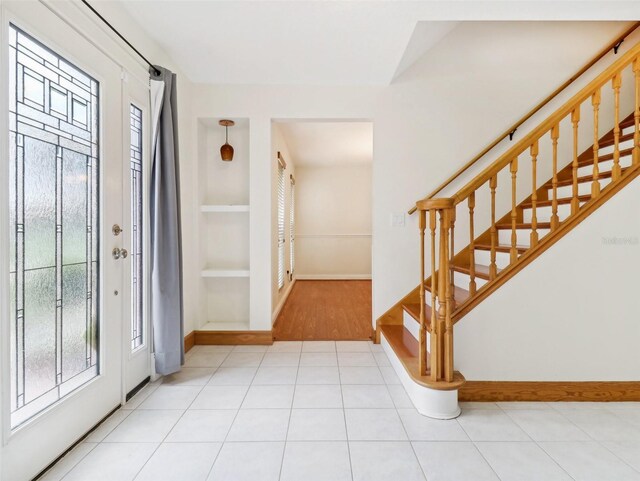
(117, 253)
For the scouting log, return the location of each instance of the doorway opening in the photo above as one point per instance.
(321, 217)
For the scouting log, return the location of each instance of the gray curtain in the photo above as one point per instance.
(166, 236)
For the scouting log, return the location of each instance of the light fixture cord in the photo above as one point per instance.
(226, 134)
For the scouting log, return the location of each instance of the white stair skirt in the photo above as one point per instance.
(432, 403)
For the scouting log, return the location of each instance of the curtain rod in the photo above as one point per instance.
(121, 36)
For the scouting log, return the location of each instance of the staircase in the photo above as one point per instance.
(585, 168)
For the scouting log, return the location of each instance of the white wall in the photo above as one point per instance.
(333, 221)
(571, 315)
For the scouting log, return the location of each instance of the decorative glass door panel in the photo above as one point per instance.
(54, 226)
(137, 229)
(135, 215)
(62, 190)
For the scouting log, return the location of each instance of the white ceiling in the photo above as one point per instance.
(287, 43)
(320, 144)
(317, 42)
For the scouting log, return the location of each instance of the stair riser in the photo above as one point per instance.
(607, 166)
(584, 188)
(627, 144)
(523, 236)
(427, 298)
(628, 130)
(484, 258)
(462, 280)
(544, 213)
(588, 169)
(413, 327)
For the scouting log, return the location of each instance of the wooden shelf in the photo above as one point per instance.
(213, 273)
(208, 208)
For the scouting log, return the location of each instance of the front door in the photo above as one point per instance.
(136, 175)
(63, 273)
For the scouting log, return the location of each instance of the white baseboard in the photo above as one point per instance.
(332, 277)
(280, 305)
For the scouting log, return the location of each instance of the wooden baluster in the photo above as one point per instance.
(555, 220)
(514, 211)
(575, 119)
(422, 361)
(448, 324)
(595, 185)
(616, 84)
(493, 270)
(636, 134)
(434, 287)
(472, 249)
(534, 195)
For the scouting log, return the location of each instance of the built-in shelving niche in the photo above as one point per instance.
(224, 225)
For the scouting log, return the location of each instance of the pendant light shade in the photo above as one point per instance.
(226, 151)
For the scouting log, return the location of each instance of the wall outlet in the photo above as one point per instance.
(397, 220)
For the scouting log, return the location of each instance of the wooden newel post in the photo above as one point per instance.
(443, 288)
(442, 211)
(423, 322)
(433, 221)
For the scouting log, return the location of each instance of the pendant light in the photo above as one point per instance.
(226, 151)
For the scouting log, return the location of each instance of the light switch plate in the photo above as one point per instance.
(397, 220)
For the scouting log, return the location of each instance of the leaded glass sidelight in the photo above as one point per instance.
(54, 229)
(137, 297)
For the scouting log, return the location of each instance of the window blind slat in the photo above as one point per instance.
(292, 228)
(281, 194)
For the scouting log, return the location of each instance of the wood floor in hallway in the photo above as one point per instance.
(326, 310)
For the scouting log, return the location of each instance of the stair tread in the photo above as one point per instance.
(402, 341)
(605, 157)
(481, 270)
(500, 248)
(628, 122)
(459, 294)
(585, 178)
(608, 141)
(413, 309)
(524, 225)
(407, 349)
(562, 200)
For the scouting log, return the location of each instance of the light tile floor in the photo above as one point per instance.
(333, 411)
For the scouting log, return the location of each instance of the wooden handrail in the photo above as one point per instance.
(548, 124)
(613, 45)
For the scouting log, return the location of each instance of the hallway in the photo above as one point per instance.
(326, 310)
